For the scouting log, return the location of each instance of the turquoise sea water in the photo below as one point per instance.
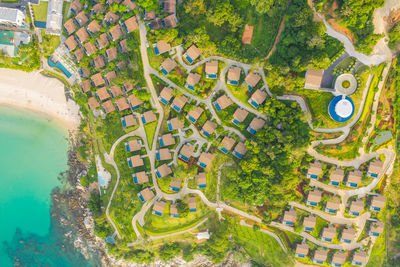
(33, 151)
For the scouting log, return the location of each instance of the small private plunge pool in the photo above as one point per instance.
(59, 66)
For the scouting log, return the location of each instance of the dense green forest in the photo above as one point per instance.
(267, 173)
(394, 36)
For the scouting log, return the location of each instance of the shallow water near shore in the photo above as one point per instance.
(33, 152)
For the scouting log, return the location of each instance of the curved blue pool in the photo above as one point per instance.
(341, 108)
(59, 66)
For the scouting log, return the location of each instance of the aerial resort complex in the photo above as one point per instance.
(218, 133)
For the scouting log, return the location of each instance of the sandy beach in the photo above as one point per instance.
(38, 93)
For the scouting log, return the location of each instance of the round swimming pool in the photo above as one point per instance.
(341, 108)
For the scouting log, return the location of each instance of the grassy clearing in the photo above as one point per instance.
(40, 11)
(65, 10)
(49, 44)
(320, 224)
(261, 247)
(150, 132)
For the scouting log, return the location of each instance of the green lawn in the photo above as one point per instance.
(261, 247)
(65, 10)
(49, 44)
(40, 11)
(320, 224)
(150, 132)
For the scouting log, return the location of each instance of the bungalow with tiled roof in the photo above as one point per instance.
(348, 235)
(146, 194)
(129, 5)
(134, 101)
(208, 128)
(255, 125)
(131, 24)
(309, 223)
(133, 145)
(149, 15)
(359, 258)
(111, 2)
(192, 204)
(314, 197)
(82, 35)
(102, 42)
(89, 48)
(227, 144)
(163, 171)
(205, 159)
(315, 170)
(301, 250)
(148, 117)
(166, 140)
(239, 116)
(201, 180)
(240, 150)
(140, 177)
(354, 178)
(377, 203)
(108, 107)
(338, 259)
(97, 79)
(111, 54)
(127, 86)
(135, 161)
(165, 95)
(71, 43)
(169, 6)
(332, 205)
(289, 217)
(70, 26)
(170, 22)
(173, 211)
(159, 207)
(356, 207)
(85, 86)
(376, 228)
(211, 69)
(93, 103)
(222, 103)
(115, 91)
(78, 54)
(168, 65)
(115, 32)
(155, 24)
(328, 233)
(98, 8)
(195, 114)
(121, 104)
(252, 80)
(128, 121)
(174, 124)
(336, 177)
(313, 79)
(247, 34)
(98, 62)
(179, 102)
(192, 54)
(375, 168)
(93, 27)
(257, 98)
(123, 46)
(186, 152)
(175, 184)
(234, 75)
(103, 94)
(81, 19)
(110, 76)
(111, 17)
(191, 80)
(76, 6)
(320, 256)
(161, 47)
(163, 154)
(85, 73)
